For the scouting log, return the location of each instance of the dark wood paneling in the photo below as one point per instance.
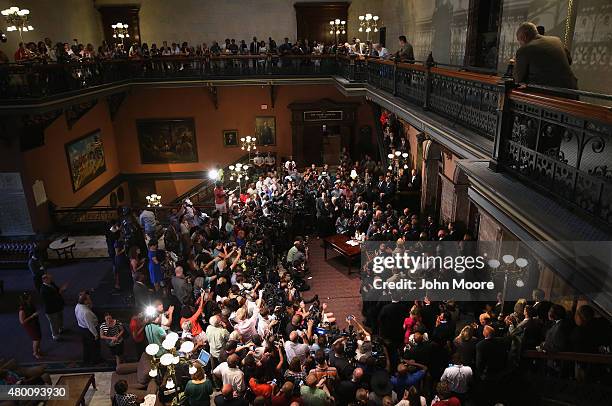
(120, 14)
(313, 20)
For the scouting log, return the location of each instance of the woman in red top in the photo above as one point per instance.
(137, 327)
(410, 323)
(189, 321)
(220, 203)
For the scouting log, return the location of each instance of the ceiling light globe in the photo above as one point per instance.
(186, 347)
(167, 344)
(166, 359)
(152, 349)
(521, 262)
(494, 263)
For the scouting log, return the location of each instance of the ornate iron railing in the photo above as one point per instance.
(35, 81)
(563, 147)
(466, 98)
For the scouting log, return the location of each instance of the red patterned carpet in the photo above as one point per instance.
(330, 280)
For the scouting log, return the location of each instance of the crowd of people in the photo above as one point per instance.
(232, 283)
(46, 51)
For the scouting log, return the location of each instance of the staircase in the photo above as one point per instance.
(202, 194)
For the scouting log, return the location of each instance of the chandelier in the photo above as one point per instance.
(513, 270)
(337, 27)
(248, 143)
(238, 172)
(17, 20)
(153, 200)
(170, 358)
(368, 23)
(120, 30)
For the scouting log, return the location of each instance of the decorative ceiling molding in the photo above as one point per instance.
(76, 111)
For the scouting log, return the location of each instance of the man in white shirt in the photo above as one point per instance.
(217, 336)
(88, 327)
(457, 376)
(230, 374)
(294, 349)
(383, 52)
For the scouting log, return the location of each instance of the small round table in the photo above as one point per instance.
(63, 247)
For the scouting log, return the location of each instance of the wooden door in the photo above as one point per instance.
(313, 145)
(313, 20)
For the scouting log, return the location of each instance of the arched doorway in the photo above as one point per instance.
(431, 189)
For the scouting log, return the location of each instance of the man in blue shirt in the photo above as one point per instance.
(409, 373)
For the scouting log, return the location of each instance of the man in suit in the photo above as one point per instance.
(557, 337)
(415, 180)
(542, 60)
(491, 360)
(36, 267)
(254, 47)
(53, 303)
(387, 189)
(406, 52)
(540, 306)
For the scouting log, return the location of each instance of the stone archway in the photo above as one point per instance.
(462, 201)
(430, 190)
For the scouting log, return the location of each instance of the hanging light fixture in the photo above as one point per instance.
(17, 20)
(368, 23)
(120, 30)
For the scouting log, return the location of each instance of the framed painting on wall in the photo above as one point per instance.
(86, 159)
(265, 130)
(230, 138)
(163, 141)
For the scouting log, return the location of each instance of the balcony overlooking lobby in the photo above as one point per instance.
(188, 194)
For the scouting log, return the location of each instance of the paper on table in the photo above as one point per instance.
(149, 400)
(352, 243)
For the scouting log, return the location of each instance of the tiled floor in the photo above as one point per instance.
(87, 246)
(99, 396)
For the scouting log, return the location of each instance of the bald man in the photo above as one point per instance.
(491, 355)
(295, 349)
(542, 59)
(230, 373)
(226, 398)
(347, 389)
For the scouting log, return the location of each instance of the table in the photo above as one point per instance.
(63, 248)
(339, 244)
(77, 388)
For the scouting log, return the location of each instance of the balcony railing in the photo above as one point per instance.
(19, 82)
(563, 147)
(559, 145)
